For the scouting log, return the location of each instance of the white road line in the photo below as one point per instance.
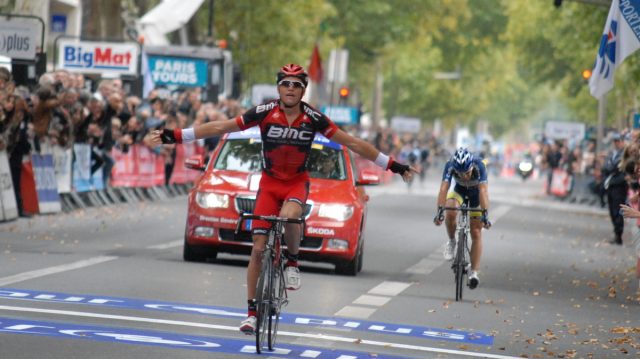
(167, 245)
(427, 265)
(389, 288)
(53, 270)
(372, 300)
(334, 338)
(351, 311)
(497, 213)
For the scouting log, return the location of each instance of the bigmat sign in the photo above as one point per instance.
(98, 57)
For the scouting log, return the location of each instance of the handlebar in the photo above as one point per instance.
(272, 219)
(463, 209)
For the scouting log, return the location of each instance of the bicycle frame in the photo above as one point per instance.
(271, 293)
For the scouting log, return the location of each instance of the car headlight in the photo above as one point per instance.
(339, 212)
(212, 200)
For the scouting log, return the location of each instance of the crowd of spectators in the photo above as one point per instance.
(62, 111)
(612, 175)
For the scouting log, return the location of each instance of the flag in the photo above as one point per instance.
(620, 38)
(315, 67)
(147, 84)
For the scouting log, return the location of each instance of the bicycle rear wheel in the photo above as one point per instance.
(263, 301)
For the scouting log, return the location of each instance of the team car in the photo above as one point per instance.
(335, 214)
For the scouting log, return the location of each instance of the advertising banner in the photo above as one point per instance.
(83, 180)
(139, 167)
(178, 71)
(62, 160)
(19, 38)
(28, 189)
(8, 206)
(119, 58)
(181, 174)
(561, 130)
(150, 167)
(406, 124)
(46, 183)
(343, 115)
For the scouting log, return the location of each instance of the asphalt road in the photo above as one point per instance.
(110, 283)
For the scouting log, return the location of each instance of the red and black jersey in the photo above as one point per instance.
(285, 149)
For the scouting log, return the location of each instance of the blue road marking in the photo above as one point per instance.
(304, 320)
(171, 340)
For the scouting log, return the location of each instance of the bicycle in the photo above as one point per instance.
(462, 258)
(271, 291)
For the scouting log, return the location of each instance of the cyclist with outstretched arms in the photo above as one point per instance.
(470, 176)
(287, 126)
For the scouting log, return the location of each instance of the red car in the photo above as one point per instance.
(336, 207)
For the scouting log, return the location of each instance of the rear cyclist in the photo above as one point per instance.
(470, 175)
(287, 126)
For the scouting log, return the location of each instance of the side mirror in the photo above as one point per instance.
(368, 178)
(195, 162)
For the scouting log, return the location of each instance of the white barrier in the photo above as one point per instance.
(8, 205)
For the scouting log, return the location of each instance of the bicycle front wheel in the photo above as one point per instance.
(459, 265)
(279, 296)
(264, 290)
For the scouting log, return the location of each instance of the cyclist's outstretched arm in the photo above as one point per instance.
(368, 151)
(209, 129)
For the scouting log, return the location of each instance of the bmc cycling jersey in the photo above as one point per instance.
(286, 148)
(468, 188)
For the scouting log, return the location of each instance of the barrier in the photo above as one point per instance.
(8, 205)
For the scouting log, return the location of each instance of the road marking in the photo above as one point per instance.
(53, 270)
(389, 288)
(379, 296)
(427, 265)
(172, 244)
(351, 311)
(372, 300)
(499, 212)
(318, 336)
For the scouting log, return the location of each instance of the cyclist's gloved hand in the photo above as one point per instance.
(439, 218)
(169, 136)
(485, 219)
(397, 167)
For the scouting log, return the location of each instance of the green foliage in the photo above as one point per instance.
(518, 59)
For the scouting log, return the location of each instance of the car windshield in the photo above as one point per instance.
(240, 155)
(245, 155)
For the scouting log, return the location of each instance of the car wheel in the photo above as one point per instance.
(352, 267)
(361, 255)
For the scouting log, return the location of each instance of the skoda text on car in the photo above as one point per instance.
(336, 206)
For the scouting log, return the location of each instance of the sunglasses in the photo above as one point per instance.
(290, 84)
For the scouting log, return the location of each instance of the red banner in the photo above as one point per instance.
(140, 167)
(182, 174)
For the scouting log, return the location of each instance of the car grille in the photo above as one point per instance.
(247, 205)
(311, 243)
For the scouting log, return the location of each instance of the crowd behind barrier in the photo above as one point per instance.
(64, 146)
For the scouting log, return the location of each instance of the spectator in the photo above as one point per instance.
(615, 187)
